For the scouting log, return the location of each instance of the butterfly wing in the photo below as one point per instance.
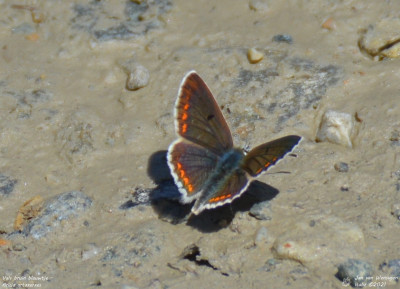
(198, 118)
(191, 166)
(261, 158)
(232, 188)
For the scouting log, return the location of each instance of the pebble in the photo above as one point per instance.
(381, 40)
(24, 28)
(286, 38)
(57, 209)
(395, 138)
(259, 5)
(75, 139)
(392, 268)
(354, 272)
(6, 185)
(138, 77)
(89, 251)
(261, 211)
(341, 167)
(18, 247)
(29, 210)
(254, 56)
(304, 242)
(140, 197)
(136, 19)
(336, 127)
(396, 210)
(329, 24)
(262, 237)
(270, 265)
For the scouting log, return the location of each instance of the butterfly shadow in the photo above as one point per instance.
(165, 199)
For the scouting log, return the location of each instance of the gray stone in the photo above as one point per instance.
(6, 184)
(261, 211)
(354, 272)
(59, 208)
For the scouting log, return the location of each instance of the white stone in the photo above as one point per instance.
(336, 127)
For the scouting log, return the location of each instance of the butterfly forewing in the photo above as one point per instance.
(191, 166)
(261, 158)
(198, 117)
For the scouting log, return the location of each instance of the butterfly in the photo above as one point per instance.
(205, 165)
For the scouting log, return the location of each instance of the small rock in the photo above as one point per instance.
(140, 197)
(392, 268)
(75, 139)
(341, 167)
(396, 210)
(354, 272)
(138, 77)
(29, 210)
(55, 210)
(344, 188)
(89, 251)
(329, 24)
(24, 28)
(286, 38)
(306, 244)
(261, 211)
(262, 237)
(381, 40)
(254, 56)
(395, 138)
(336, 127)
(259, 5)
(6, 185)
(18, 247)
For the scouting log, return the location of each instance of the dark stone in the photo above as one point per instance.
(286, 38)
(341, 167)
(6, 185)
(137, 19)
(392, 268)
(355, 272)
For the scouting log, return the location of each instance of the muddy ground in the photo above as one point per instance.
(87, 90)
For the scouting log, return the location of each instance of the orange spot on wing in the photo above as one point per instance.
(190, 188)
(186, 106)
(267, 164)
(184, 116)
(186, 181)
(220, 198)
(184, 128)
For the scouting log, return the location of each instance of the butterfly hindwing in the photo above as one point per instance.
(262, 157)
(231, 189)
(191, 166)
(198, 118)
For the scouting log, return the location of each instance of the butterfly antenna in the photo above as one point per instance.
(281, 172)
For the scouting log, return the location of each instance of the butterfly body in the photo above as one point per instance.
(205, 165)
